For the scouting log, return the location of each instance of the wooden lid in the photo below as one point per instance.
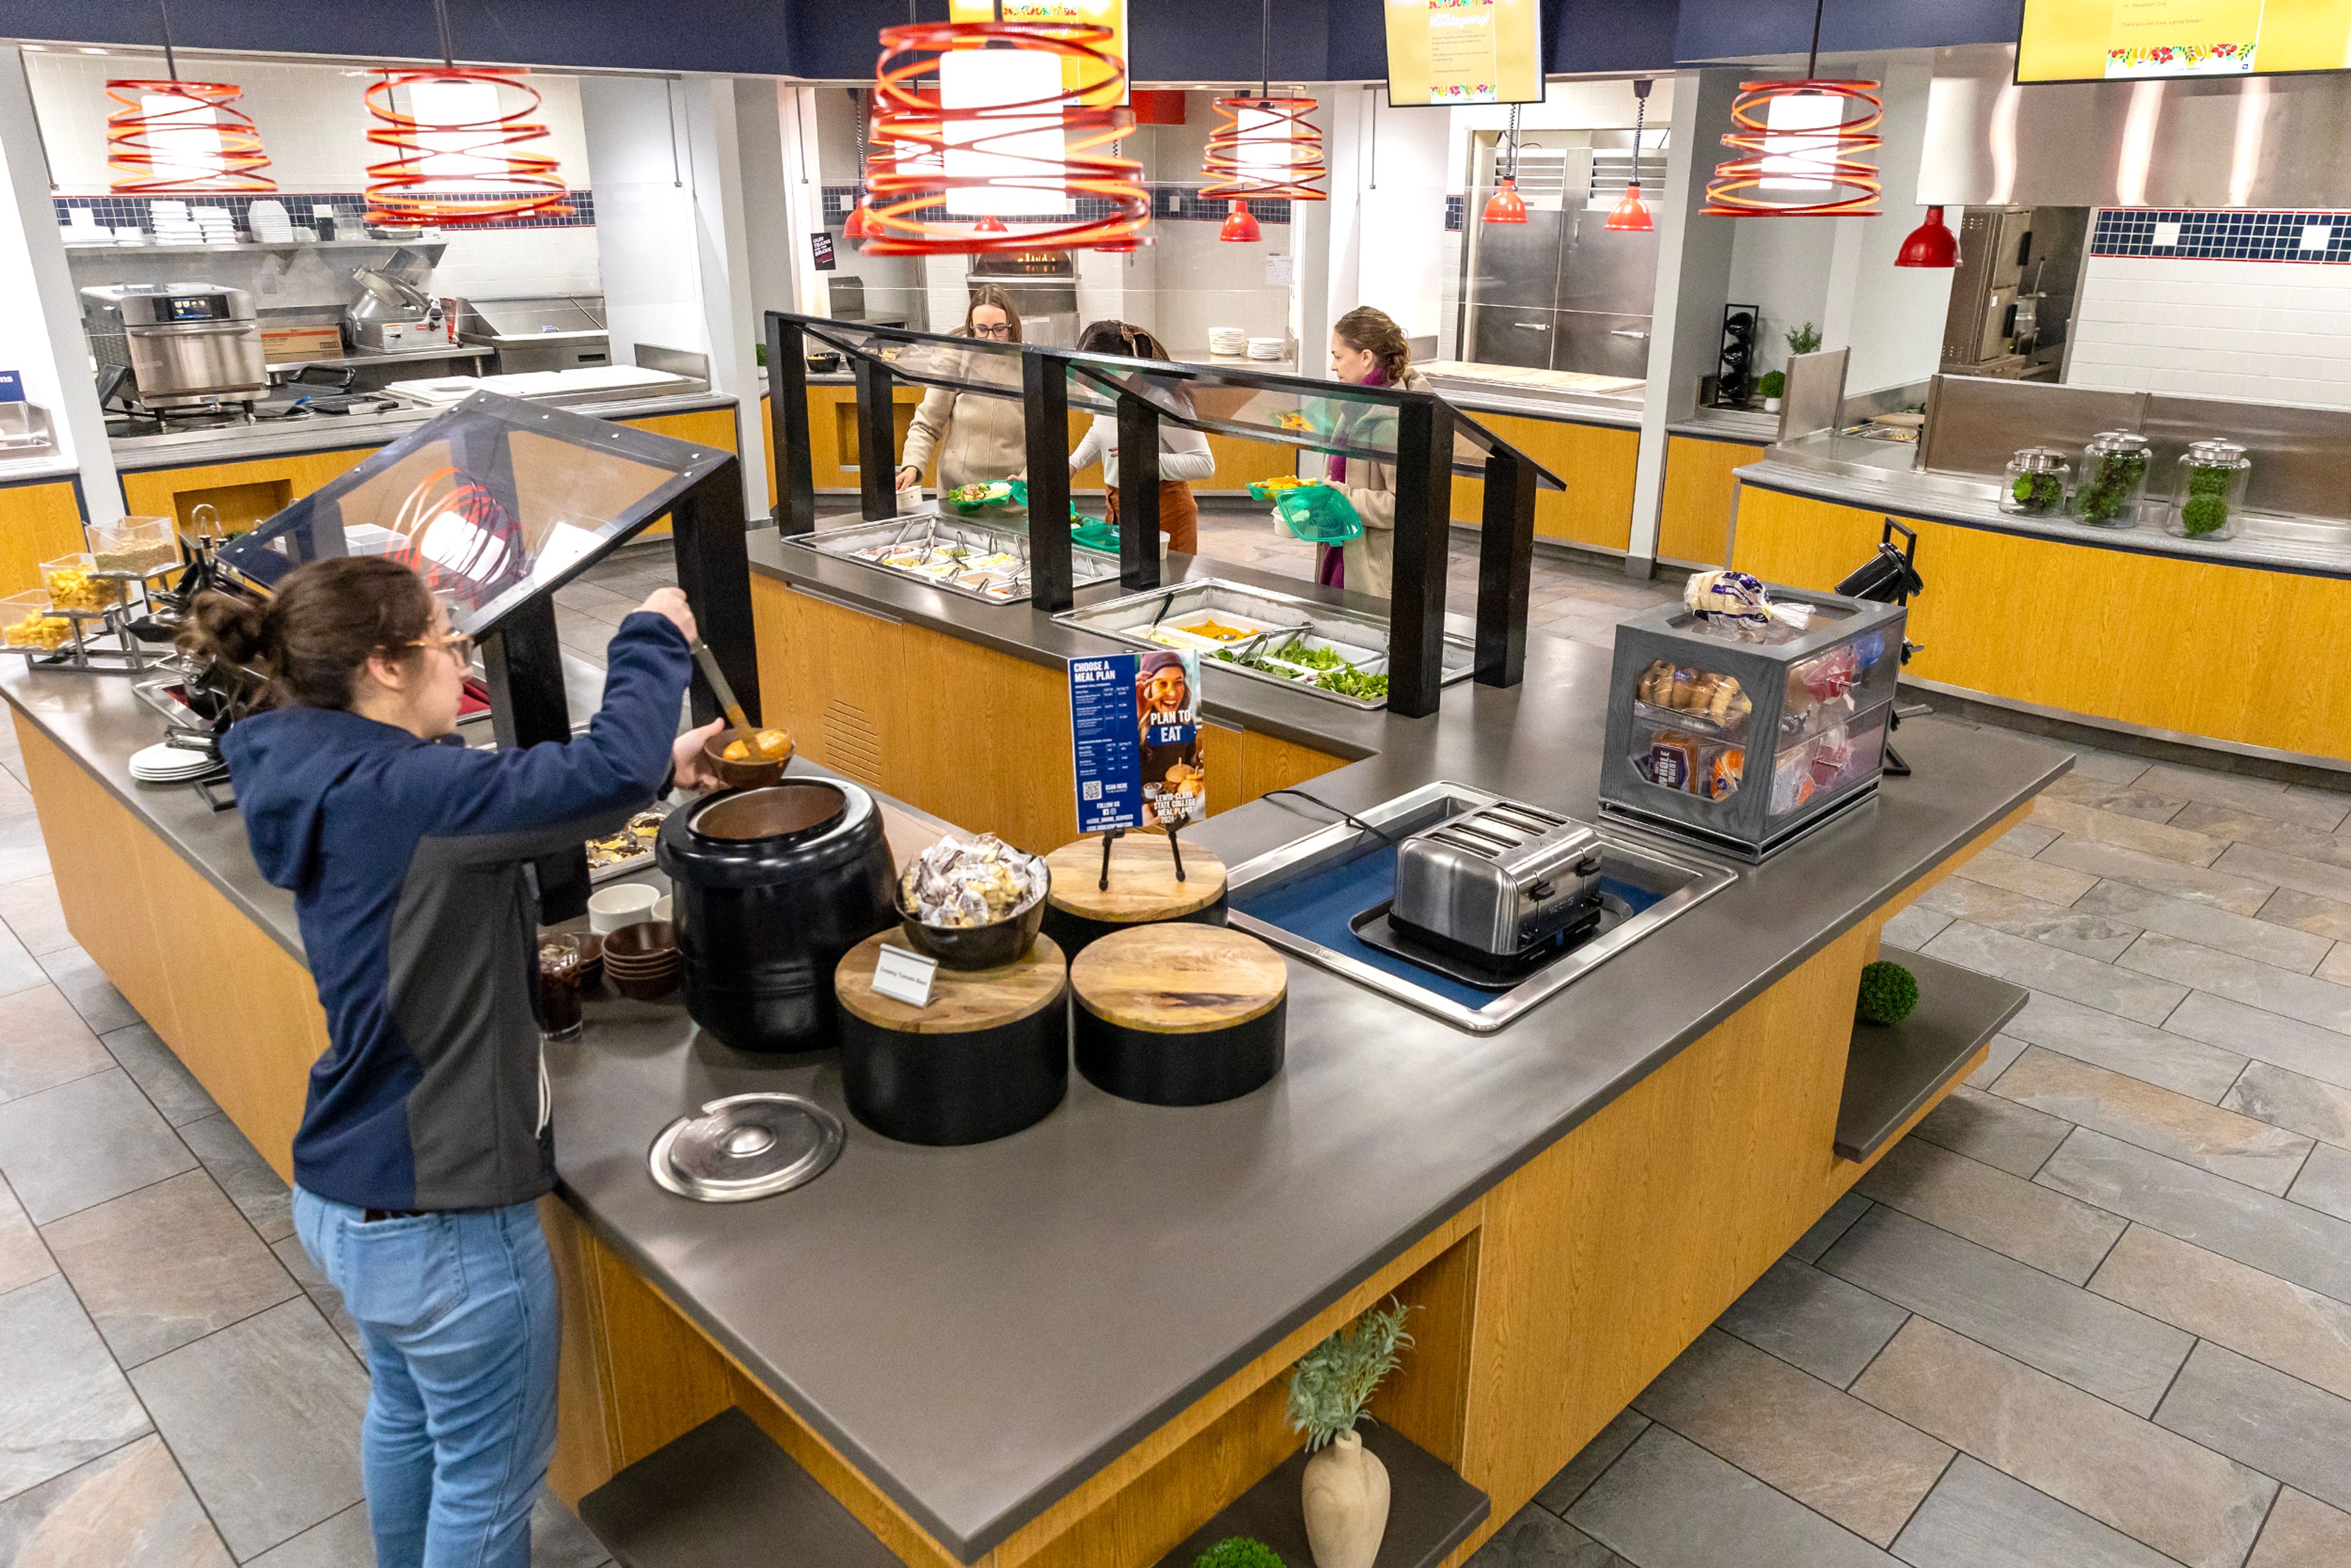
(1179, 978)
(963, 1001)
(1142, 886)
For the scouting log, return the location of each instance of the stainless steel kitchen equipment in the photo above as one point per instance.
(1561, 291)
(187, 345)
(553, 332)
(746, 1147)
(1044, 288)
(2012, 295)
(1498, 881)
(1326, 897)
(982, 559)
(395, 309)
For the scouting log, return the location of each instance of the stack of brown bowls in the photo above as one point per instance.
(642, 960)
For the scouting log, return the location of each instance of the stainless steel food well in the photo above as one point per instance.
(940, 543)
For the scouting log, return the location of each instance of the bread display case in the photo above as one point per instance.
(1745, 736)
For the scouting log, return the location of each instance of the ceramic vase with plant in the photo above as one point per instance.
(1346, 1490)
(1772, 384)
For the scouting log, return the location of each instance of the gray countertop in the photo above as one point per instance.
(979, 1330)
(1879, 476)
(335, 433)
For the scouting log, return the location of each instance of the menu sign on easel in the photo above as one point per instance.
(1135, 747)
(1463, 52)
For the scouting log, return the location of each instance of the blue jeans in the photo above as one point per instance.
(457, 1312)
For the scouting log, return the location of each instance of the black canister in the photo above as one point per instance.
(772, 885)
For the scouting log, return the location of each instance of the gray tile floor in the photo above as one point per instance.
(2098, 1312)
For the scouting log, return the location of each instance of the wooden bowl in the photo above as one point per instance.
(750, 775)
(644, 946)
(644, 988)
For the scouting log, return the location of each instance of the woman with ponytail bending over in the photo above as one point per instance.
(424, 1141)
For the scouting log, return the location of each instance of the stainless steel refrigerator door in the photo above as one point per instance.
(1512, 318)
(1608, 283)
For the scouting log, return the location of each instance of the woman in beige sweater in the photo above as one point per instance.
(1368, 349)
(975, 437)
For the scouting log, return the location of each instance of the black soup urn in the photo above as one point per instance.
(772, 885)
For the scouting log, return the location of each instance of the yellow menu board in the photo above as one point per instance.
(2124, 40)
(1463, 52)
(1111, 14)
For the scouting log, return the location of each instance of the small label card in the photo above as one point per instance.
(904, 976)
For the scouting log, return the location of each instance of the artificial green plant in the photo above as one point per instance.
(1335, 1381)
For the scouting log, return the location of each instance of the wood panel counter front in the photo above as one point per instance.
(1066, 1348)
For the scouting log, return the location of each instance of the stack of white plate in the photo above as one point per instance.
(173, 225)
(271, 225)
(218, 224)
(163, 764)
(1227, 342)
(1268, 348)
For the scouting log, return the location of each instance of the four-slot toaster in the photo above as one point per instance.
(1499, 880)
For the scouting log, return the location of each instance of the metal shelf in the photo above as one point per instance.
(1892, 1070)
(260, 246)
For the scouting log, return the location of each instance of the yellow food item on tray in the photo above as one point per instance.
(70, 588)
(772, 744)
(37, 631)
(1216, 629)
(1287, 482)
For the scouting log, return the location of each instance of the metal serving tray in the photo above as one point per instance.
(1133, 618)
(1677, 882)
(935, 535)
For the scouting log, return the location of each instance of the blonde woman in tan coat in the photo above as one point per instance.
(1368, 349)
(976, 438)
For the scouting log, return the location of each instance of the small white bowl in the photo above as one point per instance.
(610, 908)
(661, 907)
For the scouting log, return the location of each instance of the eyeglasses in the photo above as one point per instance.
(458, 644)
(995, 329)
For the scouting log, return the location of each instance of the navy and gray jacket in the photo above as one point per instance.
(405, 858)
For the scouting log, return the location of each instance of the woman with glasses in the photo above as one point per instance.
(977, 438)
(1184, 454)
(424, 1143)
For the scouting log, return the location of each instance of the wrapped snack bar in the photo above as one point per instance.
(961, 882)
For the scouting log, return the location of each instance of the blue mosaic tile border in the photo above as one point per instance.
(1457, 213)
(2224, 236)
(1170, 203)
(122, 212)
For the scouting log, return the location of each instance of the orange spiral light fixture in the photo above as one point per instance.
(1800, 139)
(989, 158)
(1266, 150)
(197, 142)
(493, 180)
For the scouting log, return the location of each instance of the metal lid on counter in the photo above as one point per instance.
(746, 1147)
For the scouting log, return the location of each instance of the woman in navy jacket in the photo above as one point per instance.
(424, 1142)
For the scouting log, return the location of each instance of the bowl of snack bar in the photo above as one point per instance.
(973, 903)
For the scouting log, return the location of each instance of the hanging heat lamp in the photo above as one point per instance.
(1005, 136)
(455, 162)
(1506, 205)
(1632, 214)
(857, 226)
(174, 138)
(1266, 150)
(1931, 244)
(1801, 139)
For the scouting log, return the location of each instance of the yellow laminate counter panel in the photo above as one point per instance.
(1595, 462)
(1694, 528)
(2237, 654)
(39, 522)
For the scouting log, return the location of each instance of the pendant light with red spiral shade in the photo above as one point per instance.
(492, 181)
(1931, 244)
(1801, 139)
(1506, 205)
(1054, 146)
(174, 138)
(1266, 150)
(1631, 214)
(857, 226)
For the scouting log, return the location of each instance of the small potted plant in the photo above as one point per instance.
(1803, 338)
(1771, 383)
(1346, 1489)
(1239, 1551)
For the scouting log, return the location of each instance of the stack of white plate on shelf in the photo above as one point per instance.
(1227, 342)
(1268, 348)
(271, 225)
(218, 223)
(173, 223)
(166, 764)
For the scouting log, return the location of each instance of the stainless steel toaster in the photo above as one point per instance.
(1500, 880)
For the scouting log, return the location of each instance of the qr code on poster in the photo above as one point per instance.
(1090, 790)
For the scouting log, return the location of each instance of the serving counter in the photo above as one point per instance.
(1067, 1346)
(2221, 644)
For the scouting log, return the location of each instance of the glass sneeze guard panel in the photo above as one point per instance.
(494, 502)
(957, 363)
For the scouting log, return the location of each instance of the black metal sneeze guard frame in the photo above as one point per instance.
(1433, 442)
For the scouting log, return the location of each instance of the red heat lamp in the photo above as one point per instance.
(1931, 244)
(1240, 225)
(858, 225)
(1632, 214)
(1506, 205)
(989, 224)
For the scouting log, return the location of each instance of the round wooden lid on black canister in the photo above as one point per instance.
(989, 1056)
(1177, 1014)
(1143, 889)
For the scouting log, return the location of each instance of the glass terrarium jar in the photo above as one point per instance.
(2113, 477)
(2210, 491)
(2036, 483)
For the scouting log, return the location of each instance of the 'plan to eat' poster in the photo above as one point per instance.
(1135, 728)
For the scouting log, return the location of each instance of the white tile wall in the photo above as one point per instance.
(2272, 331)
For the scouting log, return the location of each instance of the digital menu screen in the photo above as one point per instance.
(2136, 40)
(1463, 52)
(195, 307)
